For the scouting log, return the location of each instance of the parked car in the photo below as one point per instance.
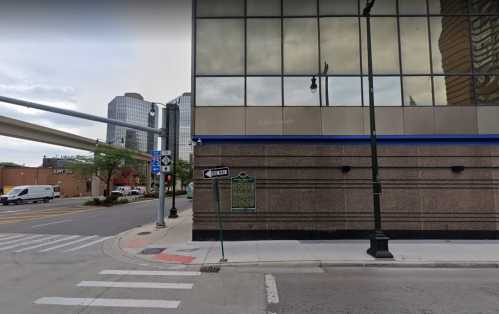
(121, 191)
(28, 193)
(189, 190)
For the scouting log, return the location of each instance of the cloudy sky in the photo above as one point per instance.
(81, 54)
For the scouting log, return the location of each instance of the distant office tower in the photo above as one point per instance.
(132, 108)
(185, 146)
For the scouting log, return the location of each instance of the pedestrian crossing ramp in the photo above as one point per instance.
(139, 286)
(47, 243)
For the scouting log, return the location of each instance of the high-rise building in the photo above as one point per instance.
(185, 139)
(132, 108)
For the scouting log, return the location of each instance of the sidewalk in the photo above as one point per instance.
(174, 246)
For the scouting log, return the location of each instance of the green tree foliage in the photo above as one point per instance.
(9, 164)
(184, 172)
(106, 163)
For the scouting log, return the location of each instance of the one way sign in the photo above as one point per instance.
(216, 173)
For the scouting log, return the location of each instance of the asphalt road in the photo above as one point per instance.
(68, 216)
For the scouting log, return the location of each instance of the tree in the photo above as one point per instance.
(106, 163)
(184, 172)
(9, 164)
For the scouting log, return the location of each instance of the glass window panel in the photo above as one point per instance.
(415, 45)
(220, 7)
(450, 44)
(453, 90)
(264, 91)
(381, 7)
(387, 91)
(297, 92)
(343, 91)
(264, 46)
(220, 91)
(487, 89)
(264, 8)
(417, 91)
(300, 7)
(384, 45)
(220, 46)
(484, 7)
(339, 7)
(485, 43)
(340, 44)
(412, 7)
(448, 7)
(300, 46)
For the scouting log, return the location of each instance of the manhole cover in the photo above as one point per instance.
(144, 233)
(152, 251)
(210, 269)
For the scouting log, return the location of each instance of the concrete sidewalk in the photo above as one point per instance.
(175, 241)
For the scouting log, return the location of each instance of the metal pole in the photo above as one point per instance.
(173, 209)
(160, 220)
(216, 192)
(379, 241)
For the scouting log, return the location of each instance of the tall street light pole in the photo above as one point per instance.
(379, 241)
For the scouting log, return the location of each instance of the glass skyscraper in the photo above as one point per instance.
(185, 138)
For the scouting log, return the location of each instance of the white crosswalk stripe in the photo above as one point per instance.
(42, 243)
(130, 285)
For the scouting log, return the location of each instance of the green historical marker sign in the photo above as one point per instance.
(243, 193)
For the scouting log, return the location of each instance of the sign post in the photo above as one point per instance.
(215, 174)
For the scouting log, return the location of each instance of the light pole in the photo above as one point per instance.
(379, 241)
(313, 85)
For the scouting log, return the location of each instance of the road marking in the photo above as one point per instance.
(271, 287)
(67, 244)
(12, 237)
(88, 244)
(144, 285)
(5, 235)
(47, 243)
(19, 238)
(38, 240)
(149, 273)
(51, 223)
(132, 303)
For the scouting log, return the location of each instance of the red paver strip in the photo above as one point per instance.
(179, 259)
(135, 244)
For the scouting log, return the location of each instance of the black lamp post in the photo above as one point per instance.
(379, 241)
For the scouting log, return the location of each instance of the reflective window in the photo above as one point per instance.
(335, 7)
(220, 46)
(343, 91)
(297, 92)
(384, 45)
(220, 7)
(453, 90)
(220, 91)
(299, 7)
(264, 46)
(264, 7)
(414, 45)
(485, 43)
(448, 6)
(387, 91)
(484, 7)
(340, 44)
(487, 90)
(300, 46)
(417, 91)
(264, 91)
(450, 44)
(412, 7)
(381, 7)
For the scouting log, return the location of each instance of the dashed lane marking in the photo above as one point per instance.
(143, 285)
(271, 287)
(149, 273)
(130, 303)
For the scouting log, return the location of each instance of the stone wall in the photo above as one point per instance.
(305, 191)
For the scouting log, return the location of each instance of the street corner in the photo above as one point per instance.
(135, 240)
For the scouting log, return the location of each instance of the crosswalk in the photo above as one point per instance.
(129, 284)
(44, 243)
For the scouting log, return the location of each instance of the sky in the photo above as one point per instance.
(80, 54)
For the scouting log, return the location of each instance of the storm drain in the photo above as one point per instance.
(210, 269)
(153, 251)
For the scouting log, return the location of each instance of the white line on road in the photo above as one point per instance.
(132, 303)
(271, 286)
(145, 285)
(47, 243)
(20, 238)
(67, 244)
(13, 237)
(51, 223)
(149, 273)
(38, 240)
(5, 235)
(88, 244)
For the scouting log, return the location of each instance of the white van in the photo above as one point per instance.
(28, 193)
